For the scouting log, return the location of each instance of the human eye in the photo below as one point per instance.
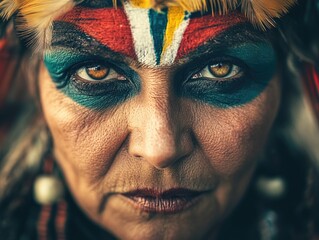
(95, 83)
(97, 73)
(98, 78)
(221, 76)
(219, 71)
(226, 82)
(86, 72)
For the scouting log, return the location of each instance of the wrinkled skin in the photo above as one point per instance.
(158, 139)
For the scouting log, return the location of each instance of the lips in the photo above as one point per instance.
(166, 202)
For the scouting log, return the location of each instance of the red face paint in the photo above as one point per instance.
(109, 26)
(202, 29)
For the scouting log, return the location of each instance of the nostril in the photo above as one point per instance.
(157, 154)
(161, 157)
(161, 153)
(157, 135)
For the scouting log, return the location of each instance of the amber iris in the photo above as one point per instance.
(220, 69)
(97, 72)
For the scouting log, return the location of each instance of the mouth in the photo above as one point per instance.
(168, 202)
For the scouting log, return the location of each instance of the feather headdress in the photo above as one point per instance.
(260, 12)
(36, 16)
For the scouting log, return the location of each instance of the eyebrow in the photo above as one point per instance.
(68, 36)
(239, 34)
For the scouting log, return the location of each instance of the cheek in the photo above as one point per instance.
(85, 141)
(233, 139)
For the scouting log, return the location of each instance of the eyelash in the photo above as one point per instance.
(99, 88)
(233, 69)
(95, 88)
(221, 84)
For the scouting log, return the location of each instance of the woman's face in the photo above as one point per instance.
(158, 119)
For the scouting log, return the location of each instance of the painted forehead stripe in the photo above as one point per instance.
(150, 37)
(109, 26)
(156, 35)
(203, 28)
(158, 24)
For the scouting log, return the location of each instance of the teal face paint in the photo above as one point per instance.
(257, 58)
(158, 23)
(62, 65)
(259, 63)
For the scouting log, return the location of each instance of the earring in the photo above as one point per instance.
(48, 188)
(271, 188)
(49, 193)
(270, 182)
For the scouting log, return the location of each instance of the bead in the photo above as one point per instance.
(272, 188)
(48, 189)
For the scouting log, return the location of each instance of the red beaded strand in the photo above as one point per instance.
(46, 212)
(60, 220)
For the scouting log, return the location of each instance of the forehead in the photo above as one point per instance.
(152, 38)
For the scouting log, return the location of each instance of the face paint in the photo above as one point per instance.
(66, 56)
(96, 22)
(259, 67)
(158, 23)
(97, 96)
(161, 139)
(152, 38)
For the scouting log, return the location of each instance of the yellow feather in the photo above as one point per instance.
(41, 12)
(35, 16)
(262, 12)
(142, 4)
(259, 12)
(8, 8)
(192, 6)
(222, 7)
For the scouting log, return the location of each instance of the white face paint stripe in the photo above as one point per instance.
(141, 32)
(169, 56)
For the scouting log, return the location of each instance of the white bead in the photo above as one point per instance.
(271, 187)
(48, 189)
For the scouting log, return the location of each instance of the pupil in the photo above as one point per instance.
(220, 69)
(97, 72)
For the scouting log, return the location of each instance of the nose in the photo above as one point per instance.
(160, 132)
